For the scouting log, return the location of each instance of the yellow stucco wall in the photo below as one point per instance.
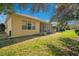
(8, 24)
(17, 26)
(14, 23)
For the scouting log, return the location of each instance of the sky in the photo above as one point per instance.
(45, 16)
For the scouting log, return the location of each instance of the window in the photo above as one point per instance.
(24, 26)
(28, 26)
(33, 26)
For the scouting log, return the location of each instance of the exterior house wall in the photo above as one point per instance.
(46, 27)
(8, 24)
(17, 26)
(15, 23)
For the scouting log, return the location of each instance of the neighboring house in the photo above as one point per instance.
(22, 25)
(54, 25)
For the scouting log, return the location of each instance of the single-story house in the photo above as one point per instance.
(23, 25)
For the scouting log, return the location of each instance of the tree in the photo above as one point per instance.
(65, 13)
(2, 27)
(8, 7)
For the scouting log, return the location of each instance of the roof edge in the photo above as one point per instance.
(26, 16)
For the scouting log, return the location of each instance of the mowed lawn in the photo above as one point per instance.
(61, 43)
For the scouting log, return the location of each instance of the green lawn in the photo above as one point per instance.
(62, 43)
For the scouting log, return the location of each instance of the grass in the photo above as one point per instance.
(62, 43)
(69, 34)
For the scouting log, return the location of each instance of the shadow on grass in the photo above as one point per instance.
(7, 42)
(55, 50)
(70, 48)
(72, 45)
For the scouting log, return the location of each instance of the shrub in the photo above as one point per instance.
(77, 31)
(1, 44)
(45, 33)
(10, 41)
(2, 27)
(61, 29)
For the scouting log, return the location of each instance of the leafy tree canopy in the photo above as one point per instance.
(8, 7)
